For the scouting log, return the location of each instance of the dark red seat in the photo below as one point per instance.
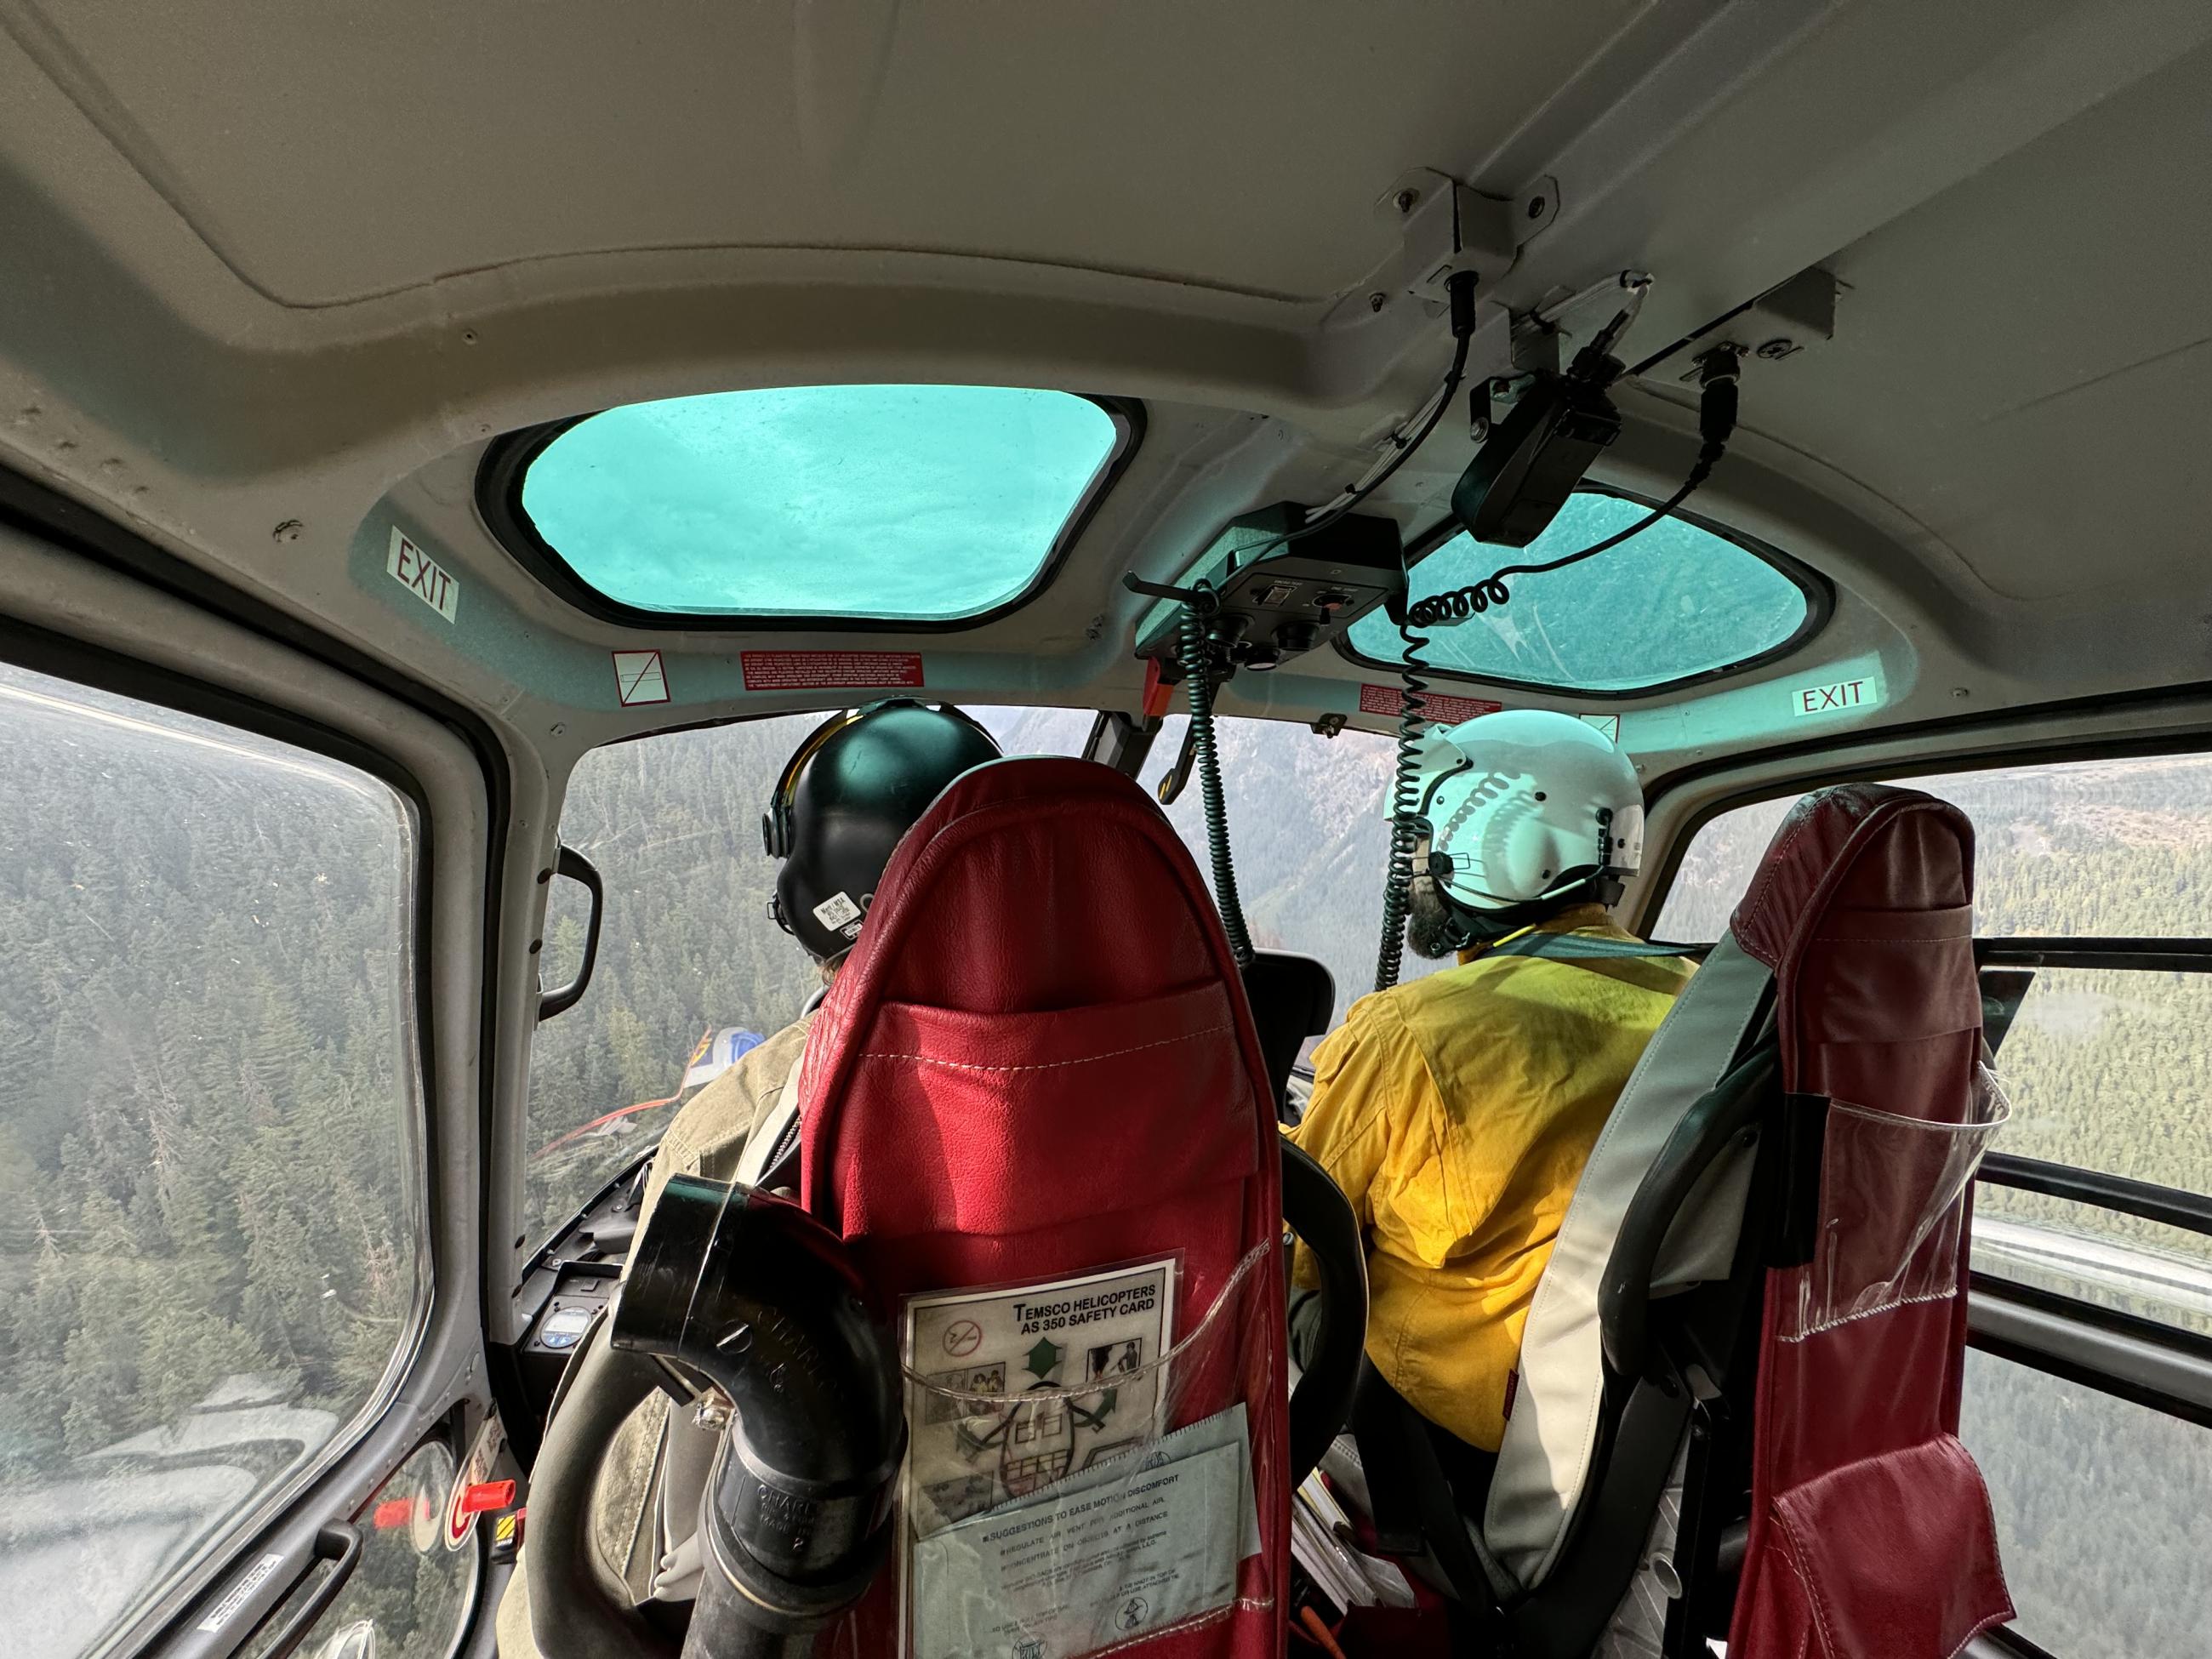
(1870, 1530)
(1039, 1062)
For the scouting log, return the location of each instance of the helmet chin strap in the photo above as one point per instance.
(1488, 927)
(1471, 926)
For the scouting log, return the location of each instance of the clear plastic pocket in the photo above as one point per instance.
(1892, 1193)
(1073, 1485)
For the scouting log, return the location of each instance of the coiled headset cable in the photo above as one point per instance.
(1198, 687)
(1405, 804)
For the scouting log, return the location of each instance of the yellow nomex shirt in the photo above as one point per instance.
(1457, 1112)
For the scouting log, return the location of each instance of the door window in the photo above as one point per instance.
(2116, 847)
(2099, 1505)
(211, 1208)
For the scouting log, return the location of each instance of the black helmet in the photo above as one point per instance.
(859, 783)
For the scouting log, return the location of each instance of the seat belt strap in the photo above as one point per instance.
(773, 1143)
(1578, 947)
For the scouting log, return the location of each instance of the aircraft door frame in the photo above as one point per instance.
(83, 600)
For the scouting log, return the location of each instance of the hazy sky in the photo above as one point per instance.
(925, 501)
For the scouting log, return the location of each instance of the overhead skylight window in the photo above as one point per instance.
(902, 504)
(1677, 602)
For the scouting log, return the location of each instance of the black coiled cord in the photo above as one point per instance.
(1405, 804)
(1190, 643)
(1716, 412)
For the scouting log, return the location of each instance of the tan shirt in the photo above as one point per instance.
(709, 1132)
(707, 1137)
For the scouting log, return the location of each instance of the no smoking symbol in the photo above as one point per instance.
(963, 1338)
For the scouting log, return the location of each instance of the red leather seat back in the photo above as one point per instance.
(1871, 1531)
(1038, 1062)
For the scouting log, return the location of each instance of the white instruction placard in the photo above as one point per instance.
(1084, 1351)
(1060, 1576)
(1227, 1428)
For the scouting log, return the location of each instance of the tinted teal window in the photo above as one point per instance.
(913, 502)
(1670, 602)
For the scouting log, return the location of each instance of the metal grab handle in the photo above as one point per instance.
(337, 1543)
(578, 868)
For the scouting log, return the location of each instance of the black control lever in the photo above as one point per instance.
(1173, 781)
(1202, 598)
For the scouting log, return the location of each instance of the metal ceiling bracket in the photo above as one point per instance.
(1445, 228)
(1790, 318)
(1534, 208)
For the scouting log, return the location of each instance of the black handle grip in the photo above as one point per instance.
(339, 1544)
(574, 866)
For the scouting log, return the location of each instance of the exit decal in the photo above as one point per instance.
(423, 576)
(1838, 697)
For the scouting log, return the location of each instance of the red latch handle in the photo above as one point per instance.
(486, 1496)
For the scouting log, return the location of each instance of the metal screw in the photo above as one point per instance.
(1404, 199)
(468, 337)
(1959, 691)
(1536, 206)
(559, 730)
(1776, 348)
(1378, 300)
(290, 530)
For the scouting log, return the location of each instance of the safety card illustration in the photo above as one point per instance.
(1048, 1513)
(966, 1351)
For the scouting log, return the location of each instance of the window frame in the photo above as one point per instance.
(1820, 608)
(39, 650)
(507, 462)
(2194, 738)
(1992, 1298)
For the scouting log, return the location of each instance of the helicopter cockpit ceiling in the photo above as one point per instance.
(272, 293)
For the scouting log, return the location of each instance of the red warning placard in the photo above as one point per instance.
(1436, 706)
(829, 670)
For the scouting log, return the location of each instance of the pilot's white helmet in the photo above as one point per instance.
(1525, 805)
